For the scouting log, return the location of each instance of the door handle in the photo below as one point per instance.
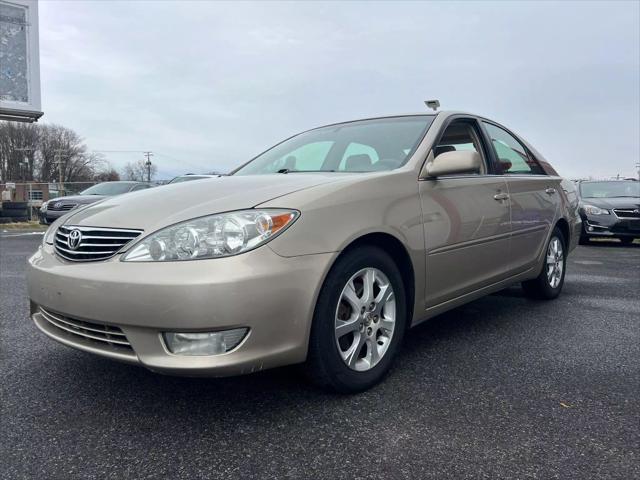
(500, 196)
(550, 191)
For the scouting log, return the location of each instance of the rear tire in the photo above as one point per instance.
(548, 284)
(357, 330)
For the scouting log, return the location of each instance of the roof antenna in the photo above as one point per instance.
(432, 104)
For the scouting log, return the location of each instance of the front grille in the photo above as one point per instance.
(106, 337)
(627, 212)
(62, 207)
(91, 243)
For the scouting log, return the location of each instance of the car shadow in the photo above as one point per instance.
(611, 243)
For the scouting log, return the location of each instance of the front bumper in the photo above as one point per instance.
(272, 295)
(610, 226)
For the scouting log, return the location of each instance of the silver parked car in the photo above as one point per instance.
(324, 249)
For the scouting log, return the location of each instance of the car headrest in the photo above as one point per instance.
(504, 165)
(442, 149)
(361, 162)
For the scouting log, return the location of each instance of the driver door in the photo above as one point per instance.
(466, 220)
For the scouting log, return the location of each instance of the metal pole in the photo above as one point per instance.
(29, 204)
(148, 165)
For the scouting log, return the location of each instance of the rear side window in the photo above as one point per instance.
(512, 156)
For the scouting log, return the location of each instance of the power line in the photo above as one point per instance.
(179, 160)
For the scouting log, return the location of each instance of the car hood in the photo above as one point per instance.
(612, 202)
(155, 208)
(79, 199)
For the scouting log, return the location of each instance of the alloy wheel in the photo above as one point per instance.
(555, 262)
(365, 319)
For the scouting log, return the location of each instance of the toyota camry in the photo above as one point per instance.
(323, 250)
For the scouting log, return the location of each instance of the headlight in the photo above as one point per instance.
(593, 210)
(43, 207)
(212, 236)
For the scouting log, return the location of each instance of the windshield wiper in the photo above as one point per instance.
(287, 170)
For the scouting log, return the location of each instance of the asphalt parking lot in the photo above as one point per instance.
(504, 387)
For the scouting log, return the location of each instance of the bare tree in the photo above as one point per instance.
(18, 149)
(109, 174)
(45, 152)
(138, 171)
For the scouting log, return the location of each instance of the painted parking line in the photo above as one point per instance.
(7, 234)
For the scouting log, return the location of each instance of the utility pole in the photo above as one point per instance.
(148, 164)
(23, 166)
(57, 159)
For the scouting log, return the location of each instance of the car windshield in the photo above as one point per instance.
(187, 178)
(108, 188)
(362, 146)
(610, 189)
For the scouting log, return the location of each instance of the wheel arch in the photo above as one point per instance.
(398, 252)
(563, 226)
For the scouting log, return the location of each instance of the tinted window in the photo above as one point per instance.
(511, 154)
(367, 145)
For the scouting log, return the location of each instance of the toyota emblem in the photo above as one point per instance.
(57, 205)
(74, 239)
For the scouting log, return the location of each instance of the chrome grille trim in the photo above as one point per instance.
(106, 336)
(62, 208)
(99, 243)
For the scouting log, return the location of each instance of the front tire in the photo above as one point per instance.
(358, 323)
(627, 240)
(548, 284)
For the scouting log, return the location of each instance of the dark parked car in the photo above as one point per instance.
(610, 209)
(55, 208)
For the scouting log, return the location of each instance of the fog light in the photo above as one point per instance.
(204, 343)
(590, 229)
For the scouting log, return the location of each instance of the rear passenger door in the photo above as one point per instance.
(533, 196)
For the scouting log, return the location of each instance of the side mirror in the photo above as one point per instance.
(452, 163)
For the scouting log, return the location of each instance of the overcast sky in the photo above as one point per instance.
(207, 85)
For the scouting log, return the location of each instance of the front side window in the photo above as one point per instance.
(512, 156)
(459, 135)
(362, 146)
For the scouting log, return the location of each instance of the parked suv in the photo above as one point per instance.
(324, 249)
(55, 208)
(610, 209)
